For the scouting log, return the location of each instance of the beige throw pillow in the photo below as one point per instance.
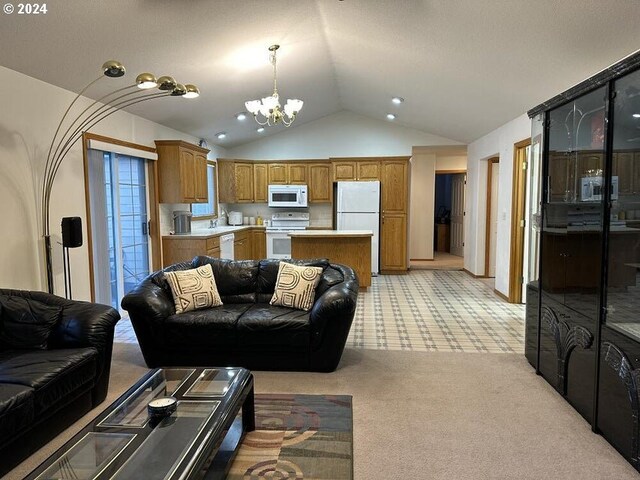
(194, 289)
(296, 286)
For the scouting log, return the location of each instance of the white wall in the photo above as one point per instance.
(30, 112)
(344, 134)
(499, 143)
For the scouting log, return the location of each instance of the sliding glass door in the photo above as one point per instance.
(119, 224)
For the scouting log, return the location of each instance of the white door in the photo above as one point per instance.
(493, 233)
(457, 214)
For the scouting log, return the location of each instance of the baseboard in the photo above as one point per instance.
(394, 272)
(501, 295)
(473, 274)
(421, 260)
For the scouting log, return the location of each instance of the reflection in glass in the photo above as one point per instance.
(623, 295)
(133, 411)
(212, 382)
(87, 458)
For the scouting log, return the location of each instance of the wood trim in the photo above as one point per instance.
(154, 217)
(404, 158)
(115, 141)
(487, 228)
(518, 192)
(421, 259)
(156, 244)
(87, 205)
(444, 172)
(501, 295)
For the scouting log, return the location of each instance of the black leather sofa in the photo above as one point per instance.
(246, 331)
(44, 390)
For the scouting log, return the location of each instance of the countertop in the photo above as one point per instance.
(331, 233)
(214, 232)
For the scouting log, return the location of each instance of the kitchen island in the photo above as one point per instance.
(349, 247)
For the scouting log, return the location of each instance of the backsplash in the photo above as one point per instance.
(320, 215)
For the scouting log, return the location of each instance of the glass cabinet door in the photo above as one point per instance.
(623, 295)
(573, 210)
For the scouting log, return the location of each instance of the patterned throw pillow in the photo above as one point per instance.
(193, 289)
(296, 286)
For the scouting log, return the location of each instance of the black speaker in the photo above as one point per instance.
(71, 232)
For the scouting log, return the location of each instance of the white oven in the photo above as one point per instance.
(287, 196)
(278, 239)
(278, 244)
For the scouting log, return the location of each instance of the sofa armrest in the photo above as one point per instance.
(331, 317)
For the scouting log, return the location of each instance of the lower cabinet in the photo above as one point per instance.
(242, 246)
(259, 244)
(618, 393)
(176, 248)
(567, 358)
(531, 324)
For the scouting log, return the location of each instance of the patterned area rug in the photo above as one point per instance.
(298, 437)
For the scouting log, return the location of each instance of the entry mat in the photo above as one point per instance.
(298, 437)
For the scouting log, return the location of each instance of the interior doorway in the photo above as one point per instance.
(522, 151)
(493, 174)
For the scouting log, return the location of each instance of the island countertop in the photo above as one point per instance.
(331, 233)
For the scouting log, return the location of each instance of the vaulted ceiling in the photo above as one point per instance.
(464, 67)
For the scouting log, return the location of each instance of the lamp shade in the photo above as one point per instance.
(296, 105)
(146, 80)
(166, 83)
(192, 91)
(179, 90)
(253, 106)
(270, 102)
(113, 68)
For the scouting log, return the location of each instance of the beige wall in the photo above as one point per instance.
(425, 162)
(29, 114)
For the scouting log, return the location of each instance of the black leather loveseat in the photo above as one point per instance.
(45, 388)
(246, 330)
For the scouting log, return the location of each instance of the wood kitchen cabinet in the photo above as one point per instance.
(178, 248)
(260, 182)
(258, 244)
(622, 167)
(242, 246)
(235, 181)
(360, 169)
(393, 243)
(394, 182)
(287, 173)
(320, 188)
(182, 172)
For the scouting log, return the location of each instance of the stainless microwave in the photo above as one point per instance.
(287, 196)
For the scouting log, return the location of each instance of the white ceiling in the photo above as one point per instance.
(464, 67)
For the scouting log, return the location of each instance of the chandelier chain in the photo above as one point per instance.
(275, 76)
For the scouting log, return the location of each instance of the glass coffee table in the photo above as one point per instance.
(214, 410)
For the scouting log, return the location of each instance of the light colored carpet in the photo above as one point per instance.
(434, 415)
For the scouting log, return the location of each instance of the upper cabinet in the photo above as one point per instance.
(320, 188)
(395, 183)
(182, 172)
(235, 181)
(287, 173)
(260, 182)
(350, 170)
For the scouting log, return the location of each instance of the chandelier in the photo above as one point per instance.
(269, 107)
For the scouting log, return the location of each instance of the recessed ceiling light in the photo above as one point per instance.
(636, 115)
(221, 135)
(397, 100)
(391, 116)
(241, 116)
(260, 130)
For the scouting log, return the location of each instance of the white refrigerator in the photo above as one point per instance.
(357, 207)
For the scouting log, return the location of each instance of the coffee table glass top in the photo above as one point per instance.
(124, 442)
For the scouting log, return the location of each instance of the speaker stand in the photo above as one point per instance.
(67, 272)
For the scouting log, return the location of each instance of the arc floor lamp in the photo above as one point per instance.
(97, 111)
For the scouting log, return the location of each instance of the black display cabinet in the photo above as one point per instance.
(583, 299)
